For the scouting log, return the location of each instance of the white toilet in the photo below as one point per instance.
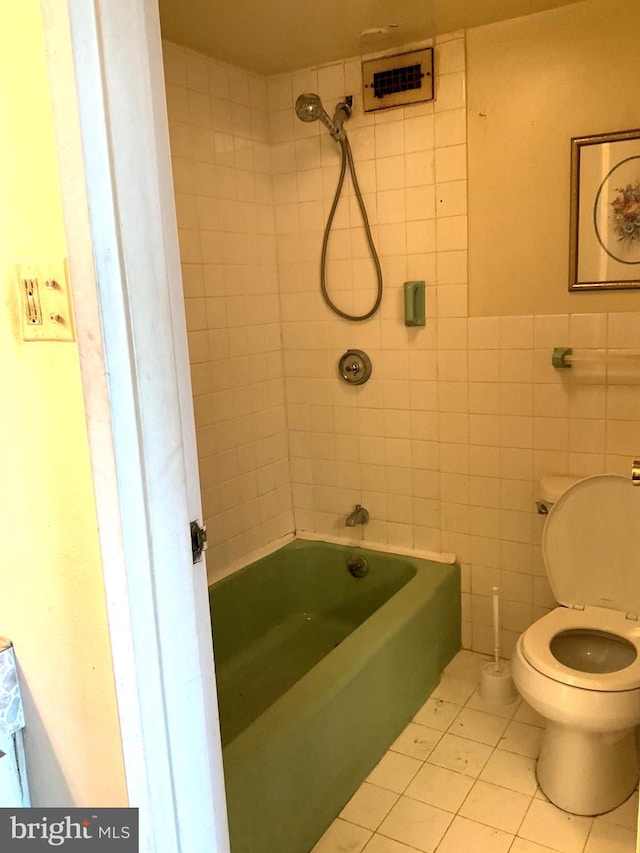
(579, 666)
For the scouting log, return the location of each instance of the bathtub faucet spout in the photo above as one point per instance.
(358, 516)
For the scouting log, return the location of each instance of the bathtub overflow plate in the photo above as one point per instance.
(355, 367)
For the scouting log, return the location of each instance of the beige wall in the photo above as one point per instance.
(533, 84)
(52, 603)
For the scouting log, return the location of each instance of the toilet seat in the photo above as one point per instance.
(589, 544)
(536, 647)
(591, 557)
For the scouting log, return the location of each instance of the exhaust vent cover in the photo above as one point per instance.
(393, 81)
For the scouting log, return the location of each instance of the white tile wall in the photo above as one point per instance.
(218, 122)
(446, 443)
(383, 437)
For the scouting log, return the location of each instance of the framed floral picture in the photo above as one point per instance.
(605, 212)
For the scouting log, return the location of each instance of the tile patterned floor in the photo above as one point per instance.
(460, 779)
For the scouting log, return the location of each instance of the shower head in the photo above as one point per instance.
(309, 108)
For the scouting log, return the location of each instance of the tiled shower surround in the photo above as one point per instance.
(219, 127)
(447, 442)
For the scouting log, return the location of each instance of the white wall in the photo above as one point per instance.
(52, 604)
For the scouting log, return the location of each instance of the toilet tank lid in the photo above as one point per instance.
(591, 546)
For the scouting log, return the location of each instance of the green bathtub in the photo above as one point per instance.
(318, 672)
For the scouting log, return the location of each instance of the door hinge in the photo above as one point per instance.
(198, 540)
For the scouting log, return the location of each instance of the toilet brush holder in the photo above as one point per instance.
(496, 686)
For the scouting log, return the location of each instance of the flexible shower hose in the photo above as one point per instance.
(347, 158)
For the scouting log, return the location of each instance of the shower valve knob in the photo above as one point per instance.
(354, 367)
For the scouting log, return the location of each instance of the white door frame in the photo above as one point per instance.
(107, 83)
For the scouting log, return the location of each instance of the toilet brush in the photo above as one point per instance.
(497, 686)
(496, 627)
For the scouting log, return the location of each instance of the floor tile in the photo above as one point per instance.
(507, 711)
(394, 771)
(459, 753)
(440, 787)
(526, 714)
(417, 824)
(609, 838)
(495, 806)
(522, 739)
(380, 844)
(467, 665)
(625, 815)
(453, 689)
(471, 788)
(478, 726)
(548, 825)
(416, 741)
(369, 806)
(342, 837)
(516, 772)
(521, 845)
(467, 836)
(437, 714)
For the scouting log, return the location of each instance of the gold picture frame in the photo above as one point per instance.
(605, 212)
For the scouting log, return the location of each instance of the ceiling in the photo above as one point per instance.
(273, 36)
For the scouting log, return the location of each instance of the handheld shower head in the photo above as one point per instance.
(309, 108)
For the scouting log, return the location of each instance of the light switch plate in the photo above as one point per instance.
(44, 300)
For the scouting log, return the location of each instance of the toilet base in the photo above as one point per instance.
(587, 773)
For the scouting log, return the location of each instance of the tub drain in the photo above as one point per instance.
(358, 566)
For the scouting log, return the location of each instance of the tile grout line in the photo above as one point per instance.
(495, 747)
